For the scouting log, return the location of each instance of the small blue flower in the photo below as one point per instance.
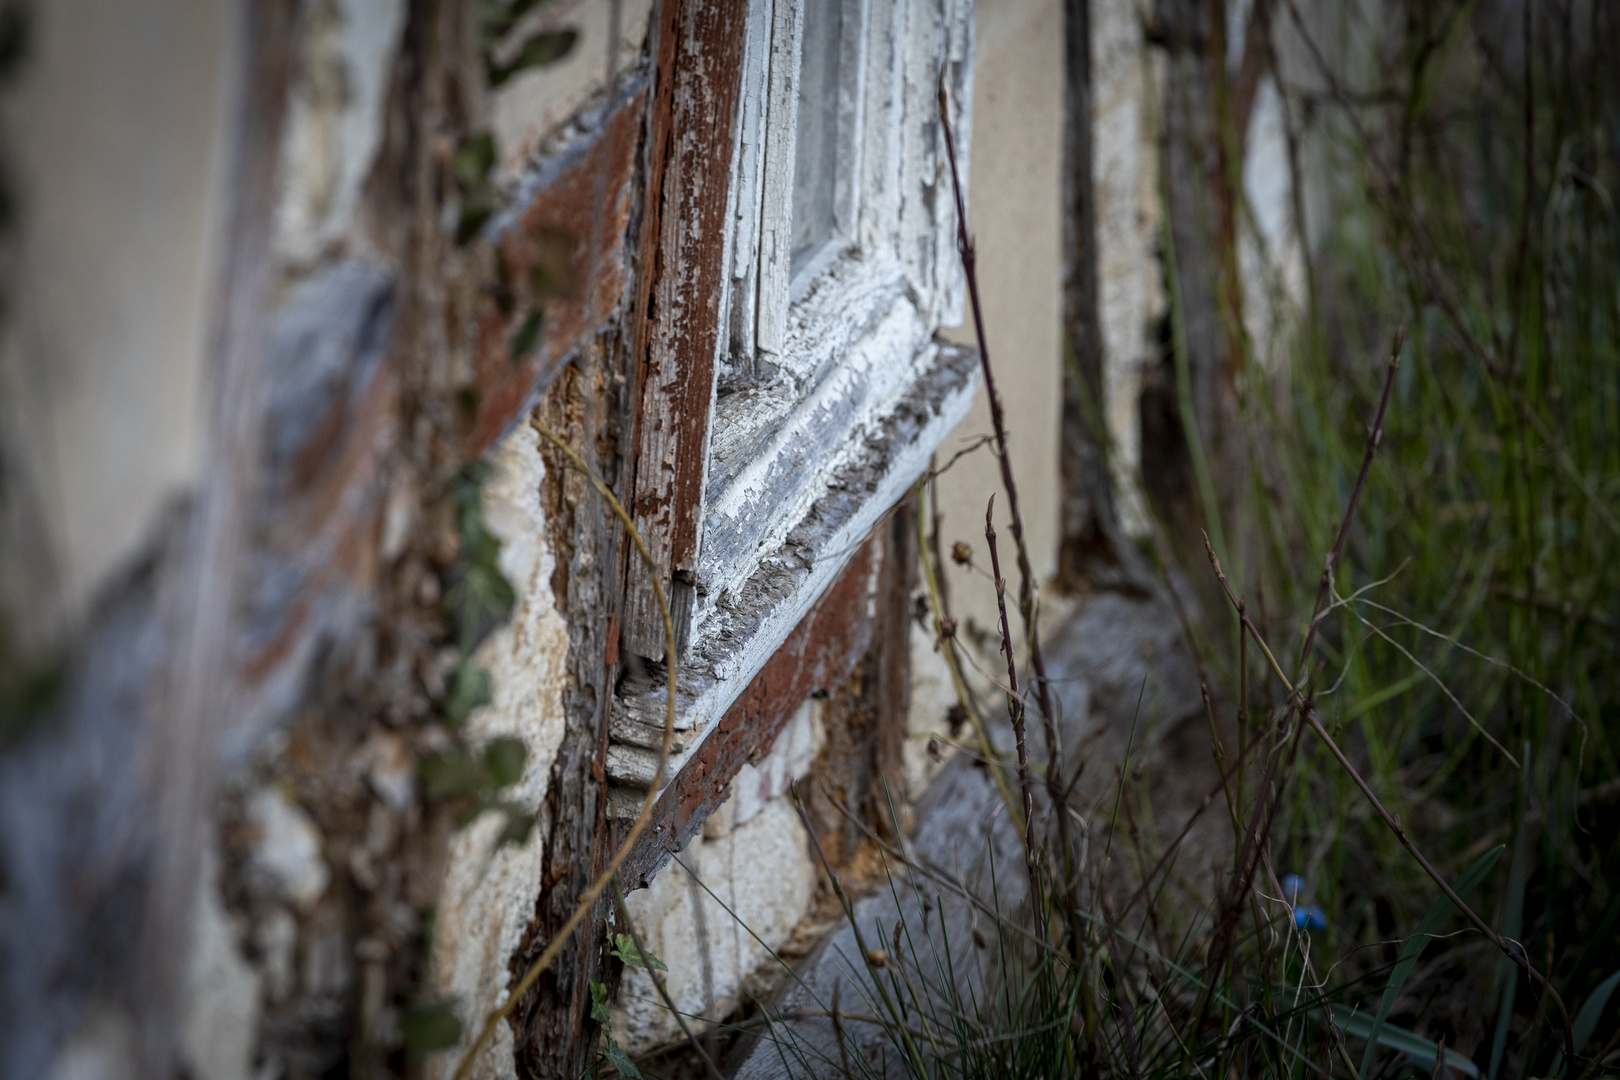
(1309, 917)
(1306, 916)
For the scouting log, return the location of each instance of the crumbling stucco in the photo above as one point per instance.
(334, 120)
(489, 890)
(753, 855)
(530, 107)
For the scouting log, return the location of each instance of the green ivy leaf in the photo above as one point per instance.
(544, 48)
(504, 758)
(528, 334)
(599, 1009)
(428, 1026)
(624, 948)
(620, 1060)
(519, 824)
(468, 488)
(27, 695)
(450, 773)
(474, 158)
(477, 207)
(469, 688)
(499, 16)
(481, 598)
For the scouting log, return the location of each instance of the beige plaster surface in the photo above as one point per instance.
(115, 146)
(753, 857)
(1015, 216)
(762, 870)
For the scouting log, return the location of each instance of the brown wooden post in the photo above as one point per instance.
(700, 63)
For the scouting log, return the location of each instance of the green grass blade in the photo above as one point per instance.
(1586, 1020)
(1426, 929)
(1518, 879)
(1399, 1039)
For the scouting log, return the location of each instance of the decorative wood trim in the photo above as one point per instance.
(701, 48)
(820, 653)
(738, 636)
(776, 202)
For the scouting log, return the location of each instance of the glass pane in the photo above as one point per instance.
(815, 164)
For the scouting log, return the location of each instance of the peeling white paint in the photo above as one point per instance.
(734, 635)
(489, 892)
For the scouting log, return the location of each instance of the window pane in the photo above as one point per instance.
(815, 164)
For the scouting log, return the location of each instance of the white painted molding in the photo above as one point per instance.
(741, 632)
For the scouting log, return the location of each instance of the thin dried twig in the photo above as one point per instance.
(867, 954)
(1026, 575)
(1265, 812)
(947, 645)
(1374, 437)
(1015, 702)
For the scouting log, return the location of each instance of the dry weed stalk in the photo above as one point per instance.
(1026, 578)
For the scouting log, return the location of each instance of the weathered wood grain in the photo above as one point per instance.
(564, 257)
(776, 177)
(687, 278)
(822, 650)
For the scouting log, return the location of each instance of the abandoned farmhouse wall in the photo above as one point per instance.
(329, 684)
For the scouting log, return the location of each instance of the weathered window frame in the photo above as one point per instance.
(827, 390)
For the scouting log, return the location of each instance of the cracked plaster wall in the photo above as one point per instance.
(754, 857)
(489, 891)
